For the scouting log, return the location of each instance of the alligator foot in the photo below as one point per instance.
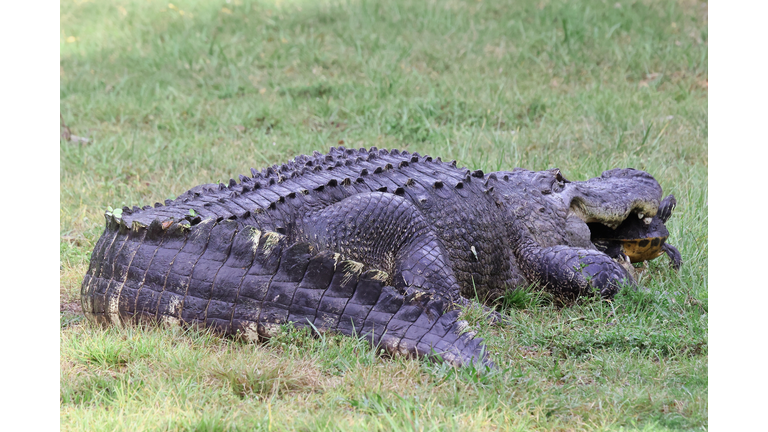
(493, 316)
(572, 271)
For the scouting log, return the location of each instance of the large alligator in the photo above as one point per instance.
(375, 243)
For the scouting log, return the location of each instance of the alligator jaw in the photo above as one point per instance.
(612, 219)
(613, 197)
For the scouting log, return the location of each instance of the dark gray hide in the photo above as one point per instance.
(376, 243)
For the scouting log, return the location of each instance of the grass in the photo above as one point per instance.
(175, 95)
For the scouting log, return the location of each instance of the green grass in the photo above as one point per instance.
(171, 100)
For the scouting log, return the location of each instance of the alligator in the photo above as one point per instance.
(385, 245)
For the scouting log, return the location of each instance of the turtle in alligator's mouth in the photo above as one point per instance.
(621, 214)
(640, 237)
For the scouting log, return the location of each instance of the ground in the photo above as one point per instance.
(160, 97)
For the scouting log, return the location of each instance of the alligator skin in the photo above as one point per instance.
(373, 243)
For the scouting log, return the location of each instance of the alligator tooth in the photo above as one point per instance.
(640, 215)
(647, 220)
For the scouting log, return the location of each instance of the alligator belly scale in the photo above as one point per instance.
(374, 243)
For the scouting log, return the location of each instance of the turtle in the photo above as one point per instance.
(638, 239)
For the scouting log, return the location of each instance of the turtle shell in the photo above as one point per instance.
(644, 249)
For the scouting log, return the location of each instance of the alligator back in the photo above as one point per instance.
(454, 200)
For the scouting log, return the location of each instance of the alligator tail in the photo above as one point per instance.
(238, 280)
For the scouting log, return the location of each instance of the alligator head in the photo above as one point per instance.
(625, 214)
(560, 222)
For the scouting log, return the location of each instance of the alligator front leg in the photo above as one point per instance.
(572, 271)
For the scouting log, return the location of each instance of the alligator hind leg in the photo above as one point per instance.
(387, 232)
(413, 313)
(326, 293)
